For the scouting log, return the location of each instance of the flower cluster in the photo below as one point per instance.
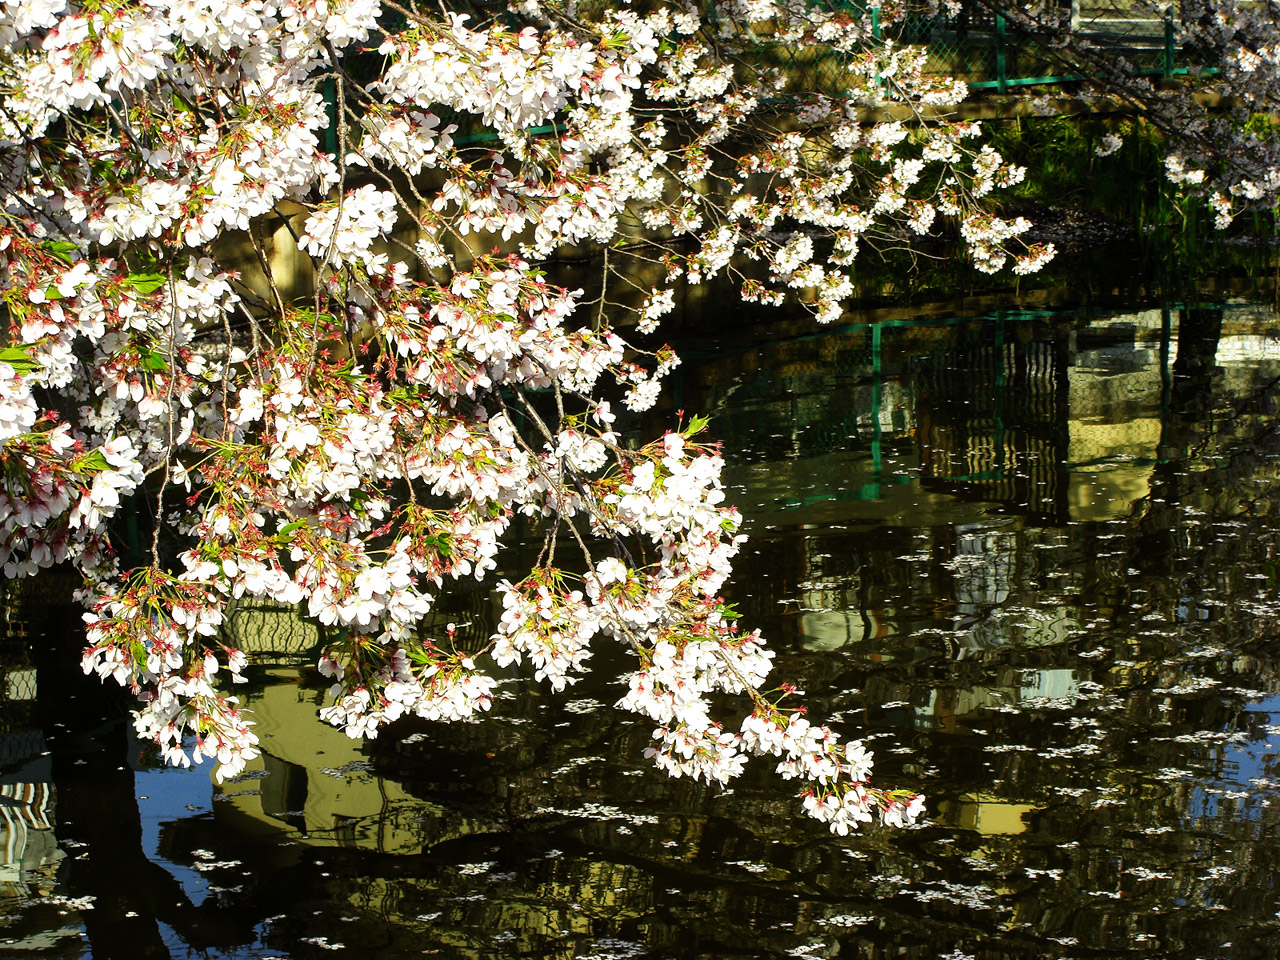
(438, 687)
(158, 635)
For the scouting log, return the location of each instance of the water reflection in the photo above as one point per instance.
(1031, 558)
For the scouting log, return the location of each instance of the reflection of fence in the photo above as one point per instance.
(18, 746)
(17, 670)
(1009, 433)
(267, 630)
(270, 632)
(17, 683)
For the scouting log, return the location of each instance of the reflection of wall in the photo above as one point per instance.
(294, 743)
(1049, 683)
(1247, 349)
(566, 906)
(1049, 626)
(1247, 361)
(1109, 490)
(830, 629)
(1114, 395)
(948, 707)
(314, 782)
(984, 814)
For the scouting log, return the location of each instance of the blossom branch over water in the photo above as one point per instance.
(358, 414)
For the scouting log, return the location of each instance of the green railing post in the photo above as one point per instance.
(875, 33)
(1002, 72)
(1168, 46)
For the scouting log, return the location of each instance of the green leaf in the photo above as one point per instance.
(64, 250)
(154, 361)
(146, 283)
(92, 462)
(288, 528)
(17, 359)
(696, 425)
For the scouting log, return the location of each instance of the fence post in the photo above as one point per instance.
(1002, 72)
(875, 33)
(1168, 46)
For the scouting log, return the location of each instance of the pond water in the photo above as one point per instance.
(1031, 558)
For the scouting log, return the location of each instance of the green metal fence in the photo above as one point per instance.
(988, 55)
(984, 50)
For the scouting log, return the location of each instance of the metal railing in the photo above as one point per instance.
(988, 55)
(982, 48)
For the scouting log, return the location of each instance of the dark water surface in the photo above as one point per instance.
(1033, 559)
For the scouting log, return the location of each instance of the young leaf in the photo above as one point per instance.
(147, 283)
(17, 359)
